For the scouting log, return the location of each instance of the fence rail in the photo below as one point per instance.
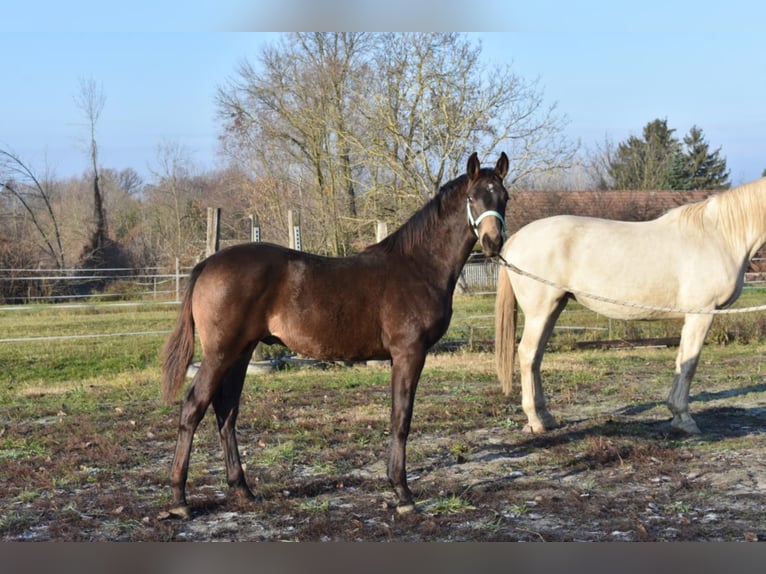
(30, 286)
(477, 278)
(39, 286)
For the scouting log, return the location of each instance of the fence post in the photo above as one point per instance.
(178, 279)
(255, 229)
(294, 229)
(213, 230)
(381, 231)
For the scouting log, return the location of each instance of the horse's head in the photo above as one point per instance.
(487, 197)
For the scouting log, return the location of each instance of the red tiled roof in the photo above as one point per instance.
(526, 206)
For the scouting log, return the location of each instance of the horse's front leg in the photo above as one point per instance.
(537, 332)
(405, 373)
(692, 337)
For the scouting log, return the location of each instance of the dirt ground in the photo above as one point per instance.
(614, 471)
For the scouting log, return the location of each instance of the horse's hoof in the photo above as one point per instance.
(685, 425)
(533, 429)
(403, 509)
(183, 512)
(244, 495)
(542, 424)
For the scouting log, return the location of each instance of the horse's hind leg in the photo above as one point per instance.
(226, 406)
(193, 406)
(692, 337)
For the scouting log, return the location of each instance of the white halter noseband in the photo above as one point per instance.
(474, 223)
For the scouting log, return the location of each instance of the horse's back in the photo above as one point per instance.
(567, 245)
(243, 270)
(646, 263)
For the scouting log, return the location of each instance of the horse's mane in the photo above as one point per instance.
(738, 210)
(418, 227)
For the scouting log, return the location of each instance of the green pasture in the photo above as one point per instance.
(46, 346)
(87, 355)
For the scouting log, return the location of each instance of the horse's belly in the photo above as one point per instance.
(625, 294)
(327, 342)
(630, 309)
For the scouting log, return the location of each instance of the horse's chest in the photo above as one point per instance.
(427, 321)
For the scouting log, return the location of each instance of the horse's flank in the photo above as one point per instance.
(691, 257)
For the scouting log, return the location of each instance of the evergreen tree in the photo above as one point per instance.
(646, 163)
(701, 168)
(660, 161)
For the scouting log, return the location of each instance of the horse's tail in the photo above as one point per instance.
(179, 348)
(505, 330)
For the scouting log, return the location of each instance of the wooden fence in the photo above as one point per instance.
(479, 276)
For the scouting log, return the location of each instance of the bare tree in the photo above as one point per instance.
(36, 197)
(365, 126)
(101, 251)
(172, 214)
(121, 193)
(90, 99)
(296, 108)
(434, 102)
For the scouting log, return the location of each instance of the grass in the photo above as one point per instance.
(448, 505)
(42, 378)
(472, 326)
(19, 448)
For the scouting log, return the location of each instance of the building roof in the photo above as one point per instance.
(625, 205)
(526, 206)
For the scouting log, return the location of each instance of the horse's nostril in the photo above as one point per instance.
(491, 245)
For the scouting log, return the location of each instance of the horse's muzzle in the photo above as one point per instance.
(491, 243)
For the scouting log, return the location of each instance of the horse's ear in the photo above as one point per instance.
(502, 166)
(473, 166)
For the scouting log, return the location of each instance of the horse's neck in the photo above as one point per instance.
(447, 250)
(745, 228)
(757, 227)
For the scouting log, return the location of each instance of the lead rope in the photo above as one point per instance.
(512, 267)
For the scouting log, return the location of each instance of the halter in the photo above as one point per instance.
(474, 223)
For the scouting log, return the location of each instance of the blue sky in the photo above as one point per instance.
(609, 68)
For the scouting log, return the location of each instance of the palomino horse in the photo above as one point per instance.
(686, 263)
(391, 301)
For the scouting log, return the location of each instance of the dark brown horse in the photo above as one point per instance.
(391, 301)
